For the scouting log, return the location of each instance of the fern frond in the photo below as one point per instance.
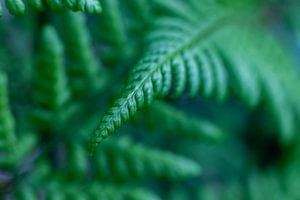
(17, 7)
(159, 70)
(11, 150)
(182, 46)
(51, 95)
(91, 6)
(36, 5)
(275, 84)
(7, 123)
(121, 159)
(140, 10)
(82, 66)
(176, 122)
(113, 32)
(77, 161)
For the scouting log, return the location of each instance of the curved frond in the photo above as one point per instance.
(271, 71)
(212, 55)
(159, 73)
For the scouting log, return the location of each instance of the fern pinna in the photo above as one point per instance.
(211, 99)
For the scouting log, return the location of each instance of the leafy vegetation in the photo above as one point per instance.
(204, 95)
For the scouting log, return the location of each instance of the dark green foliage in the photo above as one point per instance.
(82, 66)
(210, 55)
(179, 124)
(15, 7)
(18, 7)
(12, 150)
(211, 97)
(7, 131)
(123, 160)
(51, 95)
(111, 22)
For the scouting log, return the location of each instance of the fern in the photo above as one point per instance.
(77, 158)
(111, 22)
(51, 91)
(17, 7)
(152, 77)
(236, 139)
(12, 150)
(116, 160)
(179, 124)
(172, 56)
(82, 67)
(7, 133)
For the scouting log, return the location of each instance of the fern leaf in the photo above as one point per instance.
(12, 151)
(219, 73)
(83, 68)
(56, 5)
(140, 11)
(36, 5)
(15, 7)
(151, 77)
(179, 123)
(1, 10)
(246, 85)
(163, 70)
(113, 32)
(120, 159)
(7, 124)
(277, 73)
(207, 74)
(51, 91)
(91, 6)
(49, 67)
(77, 161)
(192, 70)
